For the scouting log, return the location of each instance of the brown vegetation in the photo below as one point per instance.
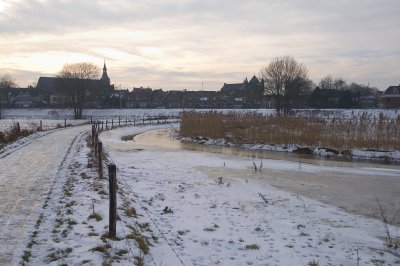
(357, 132)
(13, 134)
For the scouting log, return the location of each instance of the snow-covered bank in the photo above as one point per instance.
(232, 220)
(386, 156)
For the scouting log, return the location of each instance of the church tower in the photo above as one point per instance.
(104, 78)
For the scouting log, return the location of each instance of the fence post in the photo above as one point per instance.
(102, 125)
(112, 123)
(99, 151)
(96, 141)
(119, 121)
(18, 128)
(41, 126)
(91, 120)
(106, 124)
(126, 121)
(65, 122)
(143, 120)
(93, 133)
(112, 174)
(134, 121)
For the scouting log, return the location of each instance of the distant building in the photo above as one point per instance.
(55, 95)
(250, 93)
(140, 98)
(391, 97)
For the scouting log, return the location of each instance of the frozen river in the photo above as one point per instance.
(353, 186)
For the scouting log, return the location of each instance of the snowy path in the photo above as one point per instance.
(26, 177)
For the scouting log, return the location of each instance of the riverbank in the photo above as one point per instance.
(356, 154)
(363, 135)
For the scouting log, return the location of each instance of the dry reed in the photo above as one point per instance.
(356, 132)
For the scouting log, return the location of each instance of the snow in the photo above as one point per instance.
(223, 213)
(101, 114)
(227, 222)
(26, 175)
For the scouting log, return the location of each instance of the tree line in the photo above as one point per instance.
(287, 81)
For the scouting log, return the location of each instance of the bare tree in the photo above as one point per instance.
(329, 83)
(326, 83)
(286, 80)
(7, 81)
(75, 80)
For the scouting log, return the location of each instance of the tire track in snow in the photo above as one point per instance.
(27, 174)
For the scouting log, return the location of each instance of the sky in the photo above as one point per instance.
(201, 44)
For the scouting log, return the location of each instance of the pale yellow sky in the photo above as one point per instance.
(180, 44)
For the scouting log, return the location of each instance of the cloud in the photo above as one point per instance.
(163, 38)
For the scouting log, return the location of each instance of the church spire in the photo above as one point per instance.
(105, 77)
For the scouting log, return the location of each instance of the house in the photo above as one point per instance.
(369, 101)
(24, 98)
(139, 98)
(200, 99)
(251, 93)
(390, 98)
(173, 99)
(4, 97)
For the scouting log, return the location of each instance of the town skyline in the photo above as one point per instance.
(198, 45)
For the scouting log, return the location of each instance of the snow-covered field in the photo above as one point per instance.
(229, 220)
(51, 118)
(102, 114)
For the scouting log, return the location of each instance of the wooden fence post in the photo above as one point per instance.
(65, 122)
(93, 133)
(112, 174)
(41, 126)
(102, 125)
(143, 120)
(96, 141)
(119, 121)
(134, 121)
(112, 123)
(99, 151)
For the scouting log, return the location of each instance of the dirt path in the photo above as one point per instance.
(26, 177)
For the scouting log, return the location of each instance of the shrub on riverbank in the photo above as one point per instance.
(356, 132)
(13, 134)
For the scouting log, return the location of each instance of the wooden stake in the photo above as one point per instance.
(99, 151)
(112, 174)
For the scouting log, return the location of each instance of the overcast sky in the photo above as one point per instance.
(180, 44)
